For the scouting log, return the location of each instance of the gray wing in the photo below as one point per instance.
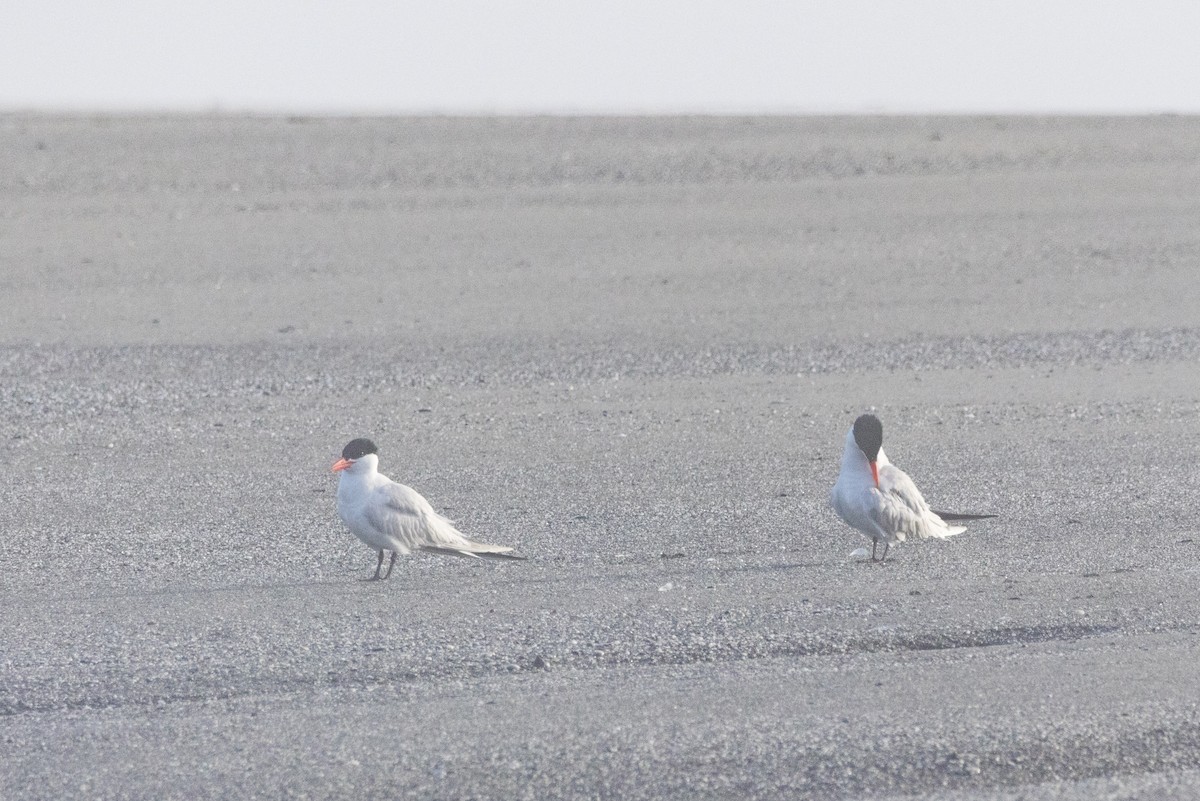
(404, 517)
(407, 519)
(902, 510)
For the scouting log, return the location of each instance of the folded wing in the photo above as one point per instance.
(903, 511)
(408, 520)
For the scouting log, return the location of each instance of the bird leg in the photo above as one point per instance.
(874, 545)
(391, 562)
(378, 566)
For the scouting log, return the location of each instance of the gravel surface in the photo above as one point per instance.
(631, 349)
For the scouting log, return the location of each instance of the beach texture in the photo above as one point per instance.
(631, 349)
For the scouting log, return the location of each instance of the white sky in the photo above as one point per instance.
(511, 56)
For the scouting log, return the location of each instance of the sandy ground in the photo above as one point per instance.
(631, 349)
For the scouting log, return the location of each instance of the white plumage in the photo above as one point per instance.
(393, 517)
(890, 509)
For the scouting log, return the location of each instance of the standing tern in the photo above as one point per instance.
(879, 499)
(392, 517)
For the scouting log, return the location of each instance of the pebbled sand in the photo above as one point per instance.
(631, 348)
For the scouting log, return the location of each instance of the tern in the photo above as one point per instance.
(392, 517)
(879, 499)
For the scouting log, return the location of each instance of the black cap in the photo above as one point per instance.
(358, 448)
(868, 434)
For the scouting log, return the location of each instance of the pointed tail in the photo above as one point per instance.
(960, 516)
(471, 553)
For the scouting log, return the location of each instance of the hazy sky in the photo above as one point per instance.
(601, 55)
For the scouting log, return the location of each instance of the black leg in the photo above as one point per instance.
(886, 546)
(391, 563)
(874, 544)
(378, 565)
